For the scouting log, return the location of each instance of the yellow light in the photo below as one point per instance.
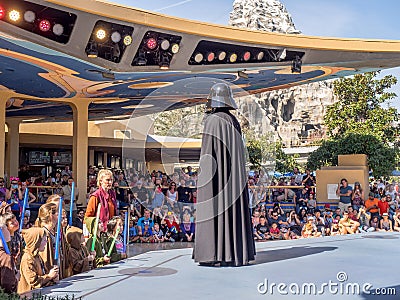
(175, 48)
(233, 57)
(101, 34)
(127, 40)
(14, 15)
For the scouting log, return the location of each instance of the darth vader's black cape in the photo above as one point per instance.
(223, 223)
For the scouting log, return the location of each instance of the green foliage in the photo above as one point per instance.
(381, 158)
(184, 122)
(360, 107)
(284, 162)
(260, 149)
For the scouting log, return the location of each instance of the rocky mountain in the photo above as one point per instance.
(294, 114)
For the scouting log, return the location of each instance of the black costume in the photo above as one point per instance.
(223, 222)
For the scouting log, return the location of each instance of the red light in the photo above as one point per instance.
(210, 56)
(44, 25)
(246, 56)
(2, 12)
(151, 43)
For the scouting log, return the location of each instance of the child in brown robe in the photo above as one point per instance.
(8, 278)
(79, 256)
(32, 269)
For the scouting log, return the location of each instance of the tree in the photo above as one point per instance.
(360, 124)
(284, 162)
(360, 107)
(381, 157)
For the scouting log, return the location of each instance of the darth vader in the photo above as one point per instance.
(224, 234)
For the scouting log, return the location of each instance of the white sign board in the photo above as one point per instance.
(331, 189)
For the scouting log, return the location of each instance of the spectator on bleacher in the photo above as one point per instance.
(301, 203)
(385, 224)
(104, 195)
(15, 197)
(31, 197)
(66, 171)
(78, 221)
(357, 197)
(308, 180)
(3, 190)
(66, 192)
(158, 197)
(383, 204)
(347, 225)
(311, 203)
(172, 196)
(184, 193)
(344, 191)
(164, 180)
(142, 194)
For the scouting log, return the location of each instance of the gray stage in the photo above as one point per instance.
(337, 267)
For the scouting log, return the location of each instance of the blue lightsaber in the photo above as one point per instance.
(126, 231)
(3, 240)
(72, 203)
(58, 234)
(26, 197)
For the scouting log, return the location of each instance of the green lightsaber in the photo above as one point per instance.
(96, 225)
(113, 242)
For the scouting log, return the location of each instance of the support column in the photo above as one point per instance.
(91, 157)
(4, 96)
(13, 146)
(80, 147)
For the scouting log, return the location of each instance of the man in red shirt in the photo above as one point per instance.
(383, 205)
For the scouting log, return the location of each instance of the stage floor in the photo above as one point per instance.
(340, 267)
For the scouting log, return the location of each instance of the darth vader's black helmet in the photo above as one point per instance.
(220, 96)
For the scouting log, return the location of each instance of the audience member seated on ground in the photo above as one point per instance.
(101, 257)
(328, 218)
(396, 220)
(310, 229)
(8, 276)
(347, 225)
(117, 251)
(276, 218)
(78, 255)
(158, 234)
(133, 231)
(146, 219)
(364, 219)
(385, 224)
(357, 197)
(371, 205)
(187, 232)
(338, 212)
(335, 230)
(374, 223)
(353, 213)
(275, 233)
(32, 272)
(319, 221)
(173, 227)
(146, 235)
(303, 216)
(262, 230)
(256, 217)
(294, 223)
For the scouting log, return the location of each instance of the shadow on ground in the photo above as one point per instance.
(268, 256)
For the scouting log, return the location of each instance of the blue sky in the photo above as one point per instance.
(338, 18)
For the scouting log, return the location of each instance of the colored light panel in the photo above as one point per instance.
(127, 40)
(151, 43)
(198, 58)
(246, 56)
(116, 37)
(175, 48)
(44, 25)
(101, 34)
(58, 29)
(29, 16)
(233, 58)
(14, 15)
